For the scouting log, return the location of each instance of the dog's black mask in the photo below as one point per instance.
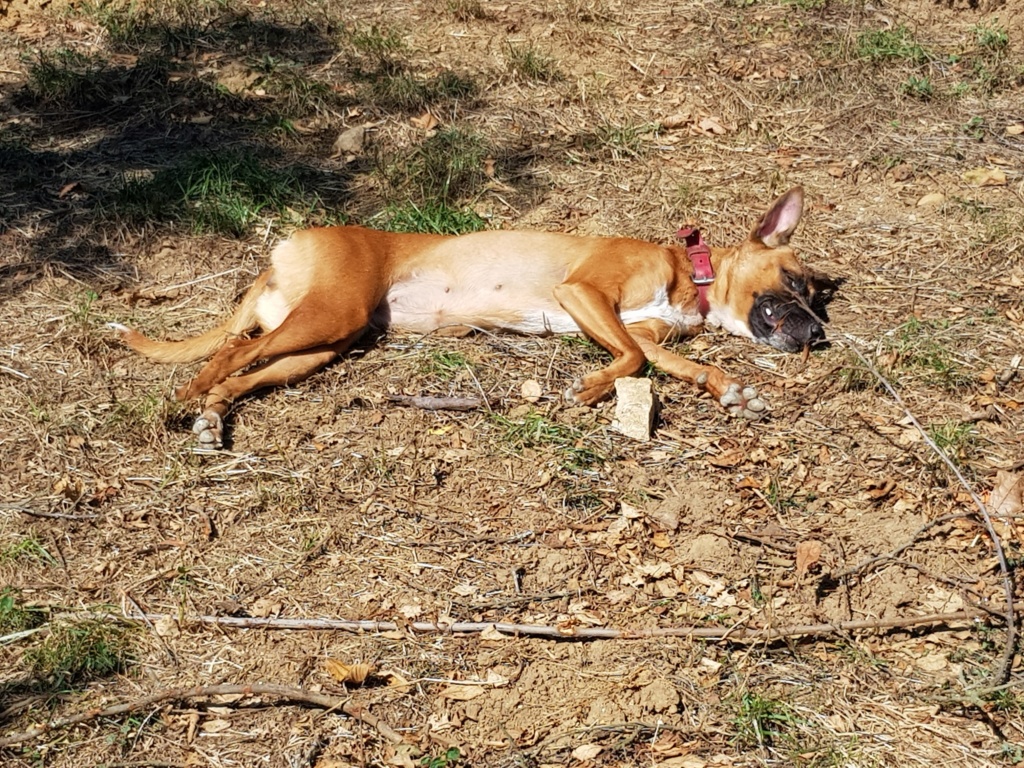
(793, 316)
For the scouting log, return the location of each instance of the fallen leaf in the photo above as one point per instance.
(666, 518)
(932, 198)
(265, 607)
(425, 122)
(489, 167)
(1007, 499)
(985, 177)
(462, 692)
(1015, 130)
(216, 726)
(902, 172)
(348, 673)
(492, 633)
(587, 751)
(808, 553)
(678, 120)
(660, 540)
(66, 189)
(711, 125)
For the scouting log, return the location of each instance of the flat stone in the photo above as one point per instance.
(635, 408)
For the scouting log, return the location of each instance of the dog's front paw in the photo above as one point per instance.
(743, 401)
(585, 393)
(209, 427)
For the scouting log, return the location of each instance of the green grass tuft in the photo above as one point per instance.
(761, 721)
(890, 44)
(14, 617)
(432, 218)
(75, 652)
(534, 430)
(227, 192)
(530, 64)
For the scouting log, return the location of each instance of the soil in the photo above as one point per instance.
(331, 502)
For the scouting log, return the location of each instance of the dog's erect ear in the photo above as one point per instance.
(778, 224)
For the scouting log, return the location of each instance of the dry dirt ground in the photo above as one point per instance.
(902, 120)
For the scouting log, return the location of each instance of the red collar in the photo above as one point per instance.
(703, 272)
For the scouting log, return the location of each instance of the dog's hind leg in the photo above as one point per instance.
(733, 396)
(313, 323)
(281, 371)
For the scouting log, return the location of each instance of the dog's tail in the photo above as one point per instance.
(203, 346)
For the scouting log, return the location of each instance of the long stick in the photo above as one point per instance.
(574, 632)
(1006, 665)
(205, 691)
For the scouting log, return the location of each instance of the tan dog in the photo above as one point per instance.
(326, 287)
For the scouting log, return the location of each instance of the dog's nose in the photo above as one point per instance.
(817, 333)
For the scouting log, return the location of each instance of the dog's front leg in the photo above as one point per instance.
(595, 314)
(734, 397)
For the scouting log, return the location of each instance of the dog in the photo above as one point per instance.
(327, 286)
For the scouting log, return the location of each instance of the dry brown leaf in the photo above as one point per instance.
(349, 141)
(425, 122)
(678, 120)
(932, 198)
(1015, 130)
(463, 692)
(660, 540)
(490, 167)
(492, 633)
(985, 177)
(348, 673)
(712, 125)
(1007, 499)
(808, 553)
(587, 751)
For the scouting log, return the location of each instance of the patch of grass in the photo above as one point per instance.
(68, 77)
(449, 759)
(431, 217)
(889, 44)
(955, 438)
(227, 191)
(77, 651)
(975, 128)
(991, 37)
(914, 352)
(761, 721)
(618, 142)
(379, 46)
(296, 93)
(918, 87)
(14, 617)
(446, 168)
(444, 364)
(24, 550)
(534, 430)
(530, 64)
(404, 91)
(466, 10)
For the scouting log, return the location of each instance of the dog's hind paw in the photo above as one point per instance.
(209, 427)
(744, 402)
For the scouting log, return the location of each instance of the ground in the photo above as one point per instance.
(153, 153)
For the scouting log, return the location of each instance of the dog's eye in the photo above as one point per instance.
(767, 311)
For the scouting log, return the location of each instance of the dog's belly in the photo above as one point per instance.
(425, 303)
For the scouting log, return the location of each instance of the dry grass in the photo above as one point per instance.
(335, 503)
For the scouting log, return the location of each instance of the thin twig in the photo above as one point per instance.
(205, 691)
(1006, 665)
(438, 403)
(568, 632)
(26, 510)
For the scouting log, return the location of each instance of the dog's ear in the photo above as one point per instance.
(778, 224)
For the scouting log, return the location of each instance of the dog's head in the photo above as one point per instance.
(764, 292)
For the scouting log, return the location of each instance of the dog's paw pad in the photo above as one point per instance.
(743, 402)
(210, 430)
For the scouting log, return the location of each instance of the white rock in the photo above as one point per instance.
(635, 408)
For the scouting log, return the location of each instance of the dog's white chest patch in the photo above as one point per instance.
(660, 308)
